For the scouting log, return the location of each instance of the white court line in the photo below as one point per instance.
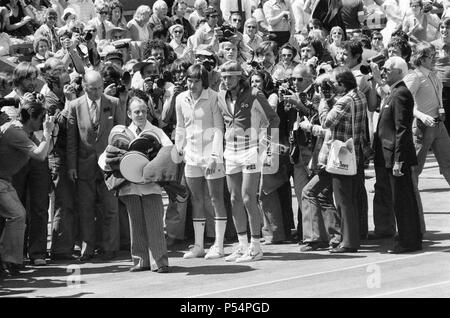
(408, 289)
(315, 274)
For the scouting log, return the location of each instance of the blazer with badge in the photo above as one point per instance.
(393, 140)
(85, 143)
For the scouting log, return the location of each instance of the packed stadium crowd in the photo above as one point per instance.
(223, 106)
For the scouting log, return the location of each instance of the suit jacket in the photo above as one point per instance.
(393, 140)
(84, 143)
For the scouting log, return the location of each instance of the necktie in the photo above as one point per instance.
(103, 31)
(138, 131)
(93, 112)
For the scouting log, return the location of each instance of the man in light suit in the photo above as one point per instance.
(395, 152)
(91, 119)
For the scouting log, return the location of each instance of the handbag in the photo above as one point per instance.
(342, 155)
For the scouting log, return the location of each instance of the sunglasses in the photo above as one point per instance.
(52, 17)
(236, 20)
(298, 79)
(103, 12)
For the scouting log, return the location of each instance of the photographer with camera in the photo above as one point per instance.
(210, 61)
(57, 99)
(25, 82)
(116, 82)
(154, 86)
(69, 53)
(320, 222)
(16, 148)
(265, 57)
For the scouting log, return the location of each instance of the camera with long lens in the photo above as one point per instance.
(87, 35)
(227, 32)
(377, 59)
(120, 83)
(256, 65)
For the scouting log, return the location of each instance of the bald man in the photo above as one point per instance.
(90, 121)
(395, 157)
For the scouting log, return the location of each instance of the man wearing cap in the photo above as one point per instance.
(48, 30)
(395, 152)
(91, 117)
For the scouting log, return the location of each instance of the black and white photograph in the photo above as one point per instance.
(225, 156)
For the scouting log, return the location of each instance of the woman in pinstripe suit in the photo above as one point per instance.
(144, 204)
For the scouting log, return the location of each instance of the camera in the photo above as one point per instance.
(377, 59)
(256, 65)
(327, 88)
(87, 36)
(227, 32)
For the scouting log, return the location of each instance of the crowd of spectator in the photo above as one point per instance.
(237, 99)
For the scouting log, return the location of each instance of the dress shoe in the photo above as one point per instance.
(339, 250)
(313, 246)
(163, 269)
(334, 245)
(85, 258)
(63, 257)
(12, 269)
(373, 236)
(401, 250)
(38, 261)
(138, 268)
(108, 256)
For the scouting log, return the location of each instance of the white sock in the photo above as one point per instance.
(199, 231)
(243, 240)
(256, 242)
(220, 227)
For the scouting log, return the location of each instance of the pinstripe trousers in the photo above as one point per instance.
(148, 244)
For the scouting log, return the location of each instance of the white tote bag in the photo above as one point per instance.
(342, 155)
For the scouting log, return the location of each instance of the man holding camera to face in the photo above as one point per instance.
(57, 99)
(16, 148)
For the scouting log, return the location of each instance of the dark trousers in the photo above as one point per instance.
(280, 38)
(383, 207)
(65, 223)
(446, 102)
(406, 209)
(32, 184)
(362, 206)
(321, 222)
(97, 204)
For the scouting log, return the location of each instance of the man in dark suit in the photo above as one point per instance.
(395, 152)
(91, 119)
